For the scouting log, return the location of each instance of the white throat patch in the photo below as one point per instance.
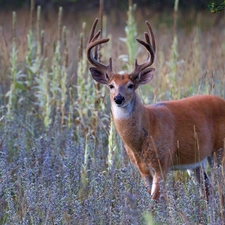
(121, 112)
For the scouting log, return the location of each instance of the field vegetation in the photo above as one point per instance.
(61, 161)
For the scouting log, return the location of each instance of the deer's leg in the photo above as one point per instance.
(143, 168)
(198, 172)
(155, 191)
(210, 161)
(146, 176)
(207, 182)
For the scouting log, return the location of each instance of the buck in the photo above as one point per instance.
(171, 135)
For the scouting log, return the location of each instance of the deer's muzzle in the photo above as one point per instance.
(119, 99)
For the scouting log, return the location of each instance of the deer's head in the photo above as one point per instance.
(122, 87)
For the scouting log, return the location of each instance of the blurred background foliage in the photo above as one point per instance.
(110, 4)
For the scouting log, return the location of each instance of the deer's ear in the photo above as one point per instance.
(145, 76)
(99, 75)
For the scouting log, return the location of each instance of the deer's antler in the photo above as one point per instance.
(94, 41)
(149, 44)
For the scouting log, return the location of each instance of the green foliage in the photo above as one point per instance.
(148, 218)
(16, 86)
(172, 75)
(114, 155)
(173, 62)
(216, 8)
(131, 34)
(43, 95)
(50, 82)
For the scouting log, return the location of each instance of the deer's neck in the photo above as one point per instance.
(129, 122)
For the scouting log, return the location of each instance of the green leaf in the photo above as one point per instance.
(19, 86)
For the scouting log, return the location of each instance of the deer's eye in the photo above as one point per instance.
(130, 86)
(111, 86)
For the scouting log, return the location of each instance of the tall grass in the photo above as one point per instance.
(130, 39)
(61, 161)
(172, 76)
(16, 85)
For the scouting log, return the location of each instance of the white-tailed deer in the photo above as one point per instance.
(170, 135)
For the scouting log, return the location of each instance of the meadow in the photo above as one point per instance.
(61, 161)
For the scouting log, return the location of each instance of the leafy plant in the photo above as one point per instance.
(216, 8)
(16, 86)
(131, 34)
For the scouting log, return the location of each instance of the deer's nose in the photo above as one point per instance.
(119, 99)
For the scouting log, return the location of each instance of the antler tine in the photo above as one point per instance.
(93, 30)
(93, 41)
(149, 44)
(152, 35)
